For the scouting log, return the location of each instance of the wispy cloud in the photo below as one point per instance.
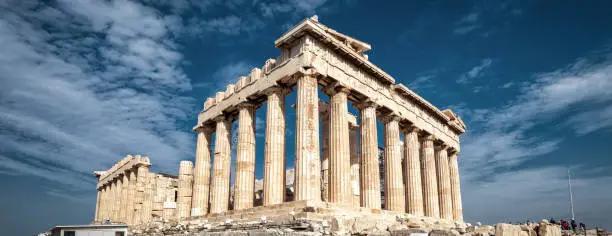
(424, 80)
(467, 23)
(85, 83)
(537, 193)
(501, 136)
(476, 71)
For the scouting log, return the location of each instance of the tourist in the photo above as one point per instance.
(582, 226)
(574, 225)
(552, 221)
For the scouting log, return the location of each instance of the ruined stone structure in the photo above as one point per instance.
(420, 173)
(129, 193)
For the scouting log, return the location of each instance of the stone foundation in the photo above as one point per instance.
(299, 218)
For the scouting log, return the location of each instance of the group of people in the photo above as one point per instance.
(571, 225)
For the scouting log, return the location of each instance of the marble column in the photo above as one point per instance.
(339, 145)
(354, 143)
(131, 196)
(219, 198)
(307, 160)
(98, 199)
(106, 202)
(124, 197)
(147, 204)
(444, 189)
(369, 175)
(244, 187)
(394, 185)
(185, 189)
(428, 174)
(275, 146)
(117, 208)
(201, 175)
(324, 116)
(100, 211)
(414, 190)
(455, 186)
(141, 181)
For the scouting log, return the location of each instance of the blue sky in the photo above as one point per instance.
(86, 82)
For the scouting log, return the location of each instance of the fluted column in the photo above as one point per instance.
(324, 116)
(97, 212)
(455, 186)
(124, 197)
(100, 209)
(394, 186)
(444, 191)
(339, 147)
(117, 208)
(149, 193)
(307, 160)
(131, 196)
(414, 190)
(274, 153)
(244, 188)
(219, 201)
(106, 202)
(428, 174)
(185, 189)
(354, 143)
(369, 175)
(141, 181)
(201, 175)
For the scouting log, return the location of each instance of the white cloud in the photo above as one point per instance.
(592, 121)
(534, 194)
(501, 138)
(298, 7)
(101, 80)
(467, 23)
(476, 71)
(507, 85)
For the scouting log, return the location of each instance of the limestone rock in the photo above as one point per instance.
(529, 230)
(437, 232)
(502, 229)
(547, 229)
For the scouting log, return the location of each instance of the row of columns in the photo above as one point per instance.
(126, 198)
(427, 182)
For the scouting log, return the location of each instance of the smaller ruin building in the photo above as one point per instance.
(129, 193)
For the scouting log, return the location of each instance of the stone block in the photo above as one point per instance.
(547, 229)
(437, 232)
(502, 229)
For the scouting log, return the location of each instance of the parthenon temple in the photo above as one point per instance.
(337, 154)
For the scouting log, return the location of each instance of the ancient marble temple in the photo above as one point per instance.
(336, 158)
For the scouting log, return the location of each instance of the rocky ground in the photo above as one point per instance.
(346, 225)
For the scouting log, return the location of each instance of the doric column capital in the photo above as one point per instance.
(365, 104)
(223, 118)
(334, 88)
(281, 90)
(441, 146)
(410, 129)
(427, 136)
(452, 152)
(204, 129)
(390, 118)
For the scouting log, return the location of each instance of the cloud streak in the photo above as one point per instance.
(102, 82)
(476, 71)
(501, 137)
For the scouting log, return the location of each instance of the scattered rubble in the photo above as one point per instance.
(379, 224)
